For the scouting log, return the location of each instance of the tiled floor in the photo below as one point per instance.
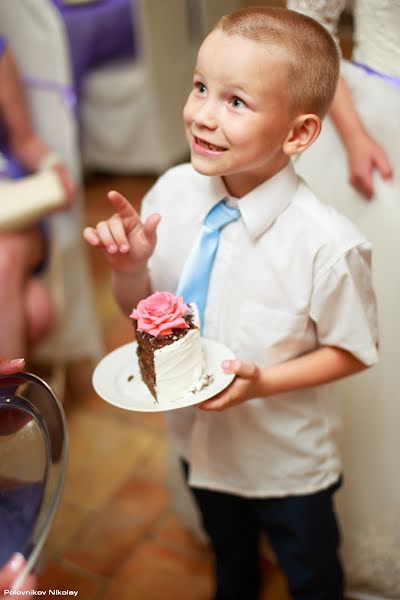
(115, 535)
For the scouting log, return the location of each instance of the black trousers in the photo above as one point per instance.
(302, 530)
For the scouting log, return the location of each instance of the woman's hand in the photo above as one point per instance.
(364, 157)
(8, 367)
(36, 156)
(66, 181)
(364, 154)
(9, 573)
(126, 242)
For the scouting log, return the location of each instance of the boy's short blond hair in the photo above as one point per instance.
(309, 49)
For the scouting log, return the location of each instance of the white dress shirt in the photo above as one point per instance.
(290, 275)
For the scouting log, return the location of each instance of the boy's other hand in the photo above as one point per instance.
(125, 241)
(246, 385)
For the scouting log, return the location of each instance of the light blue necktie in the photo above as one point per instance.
(195, 277)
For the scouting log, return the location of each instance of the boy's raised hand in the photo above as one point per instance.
(125, 241)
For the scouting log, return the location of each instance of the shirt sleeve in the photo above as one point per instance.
(343, 306)
(326, 12)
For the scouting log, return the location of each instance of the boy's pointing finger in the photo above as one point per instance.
(122, 205)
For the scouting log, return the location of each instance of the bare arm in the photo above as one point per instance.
(363, 153)
(321, 366)
(25, 144)
(130, 287)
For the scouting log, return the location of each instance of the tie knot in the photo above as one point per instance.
(220, 215)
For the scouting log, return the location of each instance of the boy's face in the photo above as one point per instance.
(237, 115)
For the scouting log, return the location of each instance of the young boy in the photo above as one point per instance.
(289, 293)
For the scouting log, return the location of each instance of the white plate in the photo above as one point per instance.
(112, 379)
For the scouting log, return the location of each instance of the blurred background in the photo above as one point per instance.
(105, 82)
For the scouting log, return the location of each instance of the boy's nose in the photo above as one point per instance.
(206, 116)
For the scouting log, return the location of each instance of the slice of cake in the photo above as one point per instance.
(169, 347)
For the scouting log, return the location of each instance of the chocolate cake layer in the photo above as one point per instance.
(148, 344)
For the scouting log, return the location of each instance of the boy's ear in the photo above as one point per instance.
(304, 131)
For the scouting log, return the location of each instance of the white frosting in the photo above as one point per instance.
(179, 366)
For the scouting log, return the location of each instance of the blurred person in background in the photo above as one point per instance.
(354, 166)
(26, 313)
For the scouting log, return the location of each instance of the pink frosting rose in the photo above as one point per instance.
(160, 313)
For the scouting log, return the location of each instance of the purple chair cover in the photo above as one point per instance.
(98, 32)
(3, 45)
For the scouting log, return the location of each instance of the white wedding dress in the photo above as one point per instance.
(369, 503)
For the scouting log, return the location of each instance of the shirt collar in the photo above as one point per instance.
(260, 207)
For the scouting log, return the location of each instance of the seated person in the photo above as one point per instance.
(26, 313)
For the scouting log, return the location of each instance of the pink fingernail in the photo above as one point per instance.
(112, 248)
(124, 247)
(226, 364)
(16, 362)
(16, 561)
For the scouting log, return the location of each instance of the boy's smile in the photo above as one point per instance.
(205, 148)
(237, 115)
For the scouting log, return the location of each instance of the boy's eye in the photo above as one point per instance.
(237, 102)
(201, 88)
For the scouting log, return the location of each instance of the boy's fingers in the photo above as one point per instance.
(118, 232)
(241, 369)
(90, 235)
(122, 205)
(384, 166)
(106, 238)
(362, 181)
(150, 225)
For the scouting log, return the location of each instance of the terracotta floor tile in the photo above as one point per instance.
(171, 533)
(274, 584)
(154, 467)
(79, 383)
(103, 452)
(156, 572)
(69, 519)
(110, 535)
(97, 186)
(119, 331)
(62, 576)
(92, 402)
(155, 421)
(149, 421)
